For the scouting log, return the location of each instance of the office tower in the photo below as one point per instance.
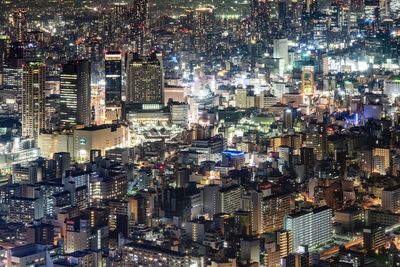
(203, 29)
(281, 52)
(139, 24)
(12, 68)
(33, 99)
(113, 73)
(309, 227)
(20, 25)
(75, 102)
(145, 82)
(273, 211)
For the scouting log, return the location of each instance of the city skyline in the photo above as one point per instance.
(212, 133)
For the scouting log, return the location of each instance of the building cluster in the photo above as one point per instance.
(213, 134)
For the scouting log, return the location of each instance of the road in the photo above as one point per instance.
(332, 251)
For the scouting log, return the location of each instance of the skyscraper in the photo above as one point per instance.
(3, 55)
(20, 24)
(281, 53)
(273, 211)
(145, 82)
(138, 25)
(260, 12)
(75, 94)
(203, 29)
(113, 72)
(33, 99)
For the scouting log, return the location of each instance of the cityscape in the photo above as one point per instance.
(199, 133)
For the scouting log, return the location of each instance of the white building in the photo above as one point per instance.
(310, 227)
(281, 52)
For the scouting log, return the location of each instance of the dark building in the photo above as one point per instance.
(40, 233)
(75, 102)
(113, 72)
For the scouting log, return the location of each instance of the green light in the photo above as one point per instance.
(35, 63)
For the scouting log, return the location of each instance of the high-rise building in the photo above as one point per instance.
(281, 52)
(203, 29)
(228, 198)
(33, 99)
(75, 102)
(260, 11)
(139, 24)
(113, 72)
(307, 80)
(140, 9)
(309, 227)
(3, 55)
(20, 24)
(288, 119)
(145, 82)
(273, 211)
